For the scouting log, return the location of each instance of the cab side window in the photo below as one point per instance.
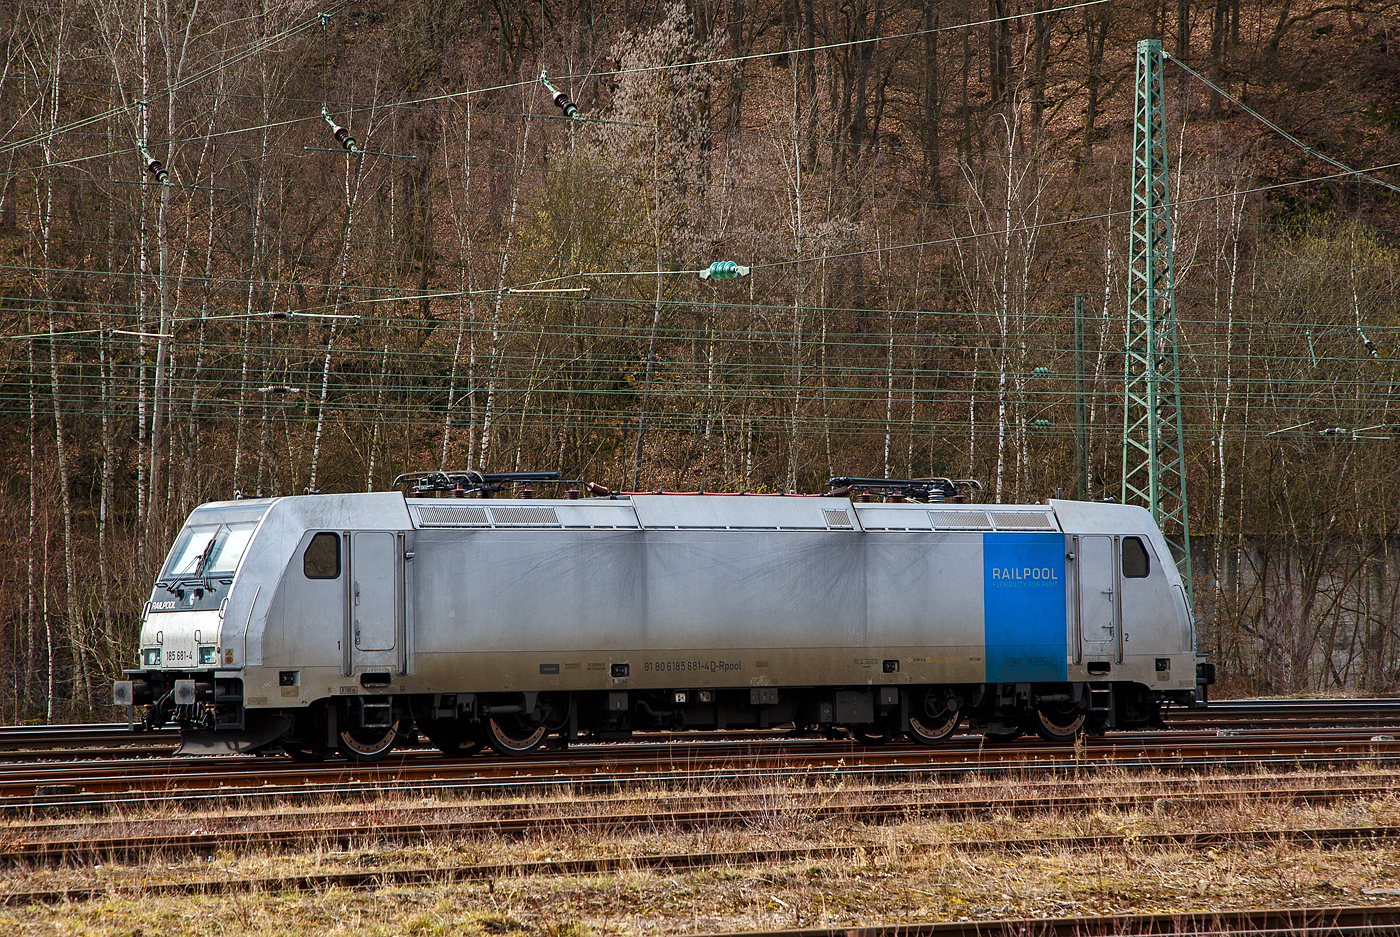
(1135, 561)
(322, 557)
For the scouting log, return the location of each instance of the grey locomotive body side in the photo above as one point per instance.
(351, 621)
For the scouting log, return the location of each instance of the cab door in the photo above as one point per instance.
(1100, 627)
(376, 600)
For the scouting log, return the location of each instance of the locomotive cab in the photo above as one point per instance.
(182, 648)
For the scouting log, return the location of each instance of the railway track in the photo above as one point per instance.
(103, 784)
(679, 775)
(97, 740)
(1357, 921)
(118, 740)
(868, 806)
(360, 879)
(1285, 714)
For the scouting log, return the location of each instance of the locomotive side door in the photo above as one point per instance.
(375, 600)
(1099, 625)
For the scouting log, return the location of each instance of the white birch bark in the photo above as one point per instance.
(494, 360)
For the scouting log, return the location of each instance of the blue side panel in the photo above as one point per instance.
(1024, 604)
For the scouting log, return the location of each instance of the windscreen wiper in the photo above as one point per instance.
(204, 557)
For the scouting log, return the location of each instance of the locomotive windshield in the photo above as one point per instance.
(211, 544)
(208, 550)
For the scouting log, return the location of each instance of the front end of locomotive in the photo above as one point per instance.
(188, 675)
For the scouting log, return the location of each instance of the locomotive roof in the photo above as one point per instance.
(695, 512)
(700, 512)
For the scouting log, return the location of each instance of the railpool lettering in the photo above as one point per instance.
(1028, 575)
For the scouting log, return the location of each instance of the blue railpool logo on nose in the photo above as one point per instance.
(1023, 602)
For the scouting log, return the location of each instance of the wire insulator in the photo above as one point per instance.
(342, 136)
(570, 109)
(723, 270)
(561, 100)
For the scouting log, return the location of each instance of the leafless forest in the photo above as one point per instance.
(205, 291)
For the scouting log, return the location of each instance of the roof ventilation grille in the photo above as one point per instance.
(525, 517)
(959, 520)
(454, 516)
(1022, 520)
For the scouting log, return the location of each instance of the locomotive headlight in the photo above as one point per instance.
(151, 656)
(209, 655)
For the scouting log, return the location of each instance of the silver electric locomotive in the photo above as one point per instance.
(352, 622)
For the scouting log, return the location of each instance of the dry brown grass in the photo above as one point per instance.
(922, 867)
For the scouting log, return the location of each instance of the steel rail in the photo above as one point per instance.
(1299, 713)
(439, 875)
(118, 740)
(1356, 921)
(104, 740)
(101, 785)
(689, 749)
(201, 842)
(919, 800)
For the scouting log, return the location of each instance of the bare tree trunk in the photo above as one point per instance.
(158, 388)
(191, 487)
(1041, 51)
(51, 668)
(73, 623)
(495, 353)
(651, 360)
(794, 409)
(653, 205)
(1236, 208)
(256, 261)
(161, 402)
(889, 382)
(107, 384)
(972, 410)
(378, 410)
(352, 193)
(1096, 20)
(998, 49)
(466, 277)
(33, 523)
(1003, 215)
(932, 103)
(142, 348)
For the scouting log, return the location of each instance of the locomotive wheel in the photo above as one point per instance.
(936, 723)
(1058, 724)
(512, 735)
(367, 744)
